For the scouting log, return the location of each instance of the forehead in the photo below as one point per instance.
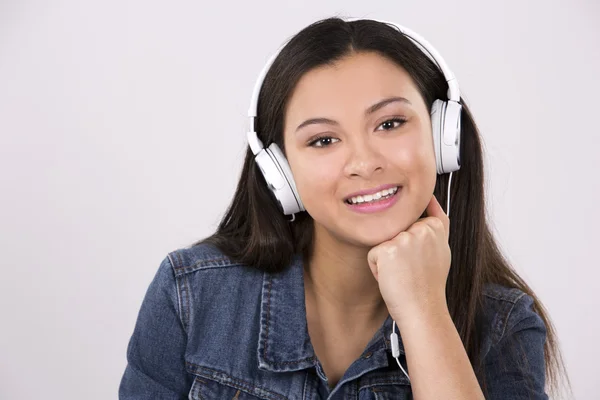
(358, 80)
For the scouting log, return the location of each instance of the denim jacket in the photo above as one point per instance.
(210, 328)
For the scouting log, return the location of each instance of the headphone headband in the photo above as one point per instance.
(426, 47)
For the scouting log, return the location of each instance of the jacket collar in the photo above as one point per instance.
(284, 343)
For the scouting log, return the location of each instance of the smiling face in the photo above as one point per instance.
(359, 139)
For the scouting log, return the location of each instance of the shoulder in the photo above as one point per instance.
(204, 278)
(200, 257)
(203, 270)
(506, 311)
(512, 352)
(202, 273)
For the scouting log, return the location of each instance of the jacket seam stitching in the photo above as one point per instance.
(509, 300)
(204, 265)
(237, 383)
(265, 341)
(506, 320)
(180, 308)
(208, 261)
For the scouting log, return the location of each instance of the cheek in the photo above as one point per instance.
(414, 157)
(317, 183)
(416, 160)
(316, 179)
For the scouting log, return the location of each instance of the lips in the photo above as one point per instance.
(372, 191)
(376, 206)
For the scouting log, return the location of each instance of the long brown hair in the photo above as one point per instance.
(255, 232)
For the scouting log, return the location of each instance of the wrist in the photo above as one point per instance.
(422, 310)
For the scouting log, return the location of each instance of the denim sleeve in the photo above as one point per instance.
(515, 366)
(155, 353)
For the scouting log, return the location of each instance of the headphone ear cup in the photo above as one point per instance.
(288, 195)
(437, 114)
(445, 128)
(269, 171)
(275, 180)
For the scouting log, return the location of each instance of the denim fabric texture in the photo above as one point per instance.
(210, 328)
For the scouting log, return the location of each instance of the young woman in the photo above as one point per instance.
(336, 272)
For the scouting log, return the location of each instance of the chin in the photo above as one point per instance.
(373, 238)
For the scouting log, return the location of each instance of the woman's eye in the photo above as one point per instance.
(323, 141)
(390, 123)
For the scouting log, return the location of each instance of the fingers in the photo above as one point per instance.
(434, 209)
(372, 261)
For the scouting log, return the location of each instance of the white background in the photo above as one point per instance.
(122, 127)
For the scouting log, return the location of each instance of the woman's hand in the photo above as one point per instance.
(412, 268)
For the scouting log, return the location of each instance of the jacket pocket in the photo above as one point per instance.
(207, 389)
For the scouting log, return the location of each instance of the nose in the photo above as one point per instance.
(364, 159)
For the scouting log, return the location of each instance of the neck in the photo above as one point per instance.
(338, 278)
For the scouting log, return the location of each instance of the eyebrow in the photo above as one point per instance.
(368, 111)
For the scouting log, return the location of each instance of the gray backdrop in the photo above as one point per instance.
(122, 128)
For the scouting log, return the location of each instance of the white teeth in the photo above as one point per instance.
(372, 197)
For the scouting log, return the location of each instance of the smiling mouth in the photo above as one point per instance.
(373, 198)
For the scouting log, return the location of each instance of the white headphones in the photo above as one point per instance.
(445, 121)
